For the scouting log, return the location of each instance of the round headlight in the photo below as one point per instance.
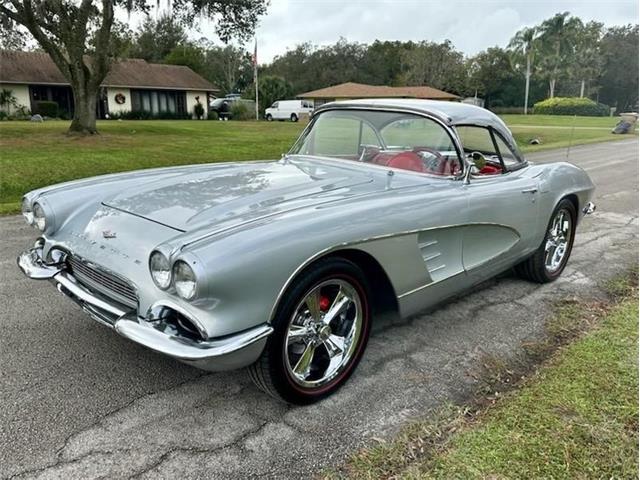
(39, 219)
(184, 280)
(27, 213)
(160, 270)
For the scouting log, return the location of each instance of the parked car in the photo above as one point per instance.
(283, 266)
(224, 106)
(288, 110)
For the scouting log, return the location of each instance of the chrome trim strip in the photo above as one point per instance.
(422, 287)
(344, 245)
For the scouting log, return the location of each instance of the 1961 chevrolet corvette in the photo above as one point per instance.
(282, 266)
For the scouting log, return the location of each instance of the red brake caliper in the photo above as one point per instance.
(324, 303)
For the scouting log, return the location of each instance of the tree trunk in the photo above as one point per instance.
(526, 85)
(84, 113)
(582, 89)
(552, 87)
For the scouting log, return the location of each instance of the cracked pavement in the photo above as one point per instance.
(78, 401)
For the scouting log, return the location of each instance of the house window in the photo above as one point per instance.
(158, 101)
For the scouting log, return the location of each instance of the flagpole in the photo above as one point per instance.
(255, 76)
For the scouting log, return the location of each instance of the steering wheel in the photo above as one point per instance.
(367, 152)
(437, 164)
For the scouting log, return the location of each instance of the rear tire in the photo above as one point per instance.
(549, 261)
(321, 329)
(294, 117)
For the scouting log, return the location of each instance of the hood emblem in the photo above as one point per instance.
(108, 234)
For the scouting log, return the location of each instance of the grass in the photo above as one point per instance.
(34, 155)
(576, 417)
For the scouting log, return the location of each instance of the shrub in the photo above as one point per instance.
(198, 109)
(3, 115)
(571, 106)
(142, 115)
(46, 108)
(241, 110)
(213, 115)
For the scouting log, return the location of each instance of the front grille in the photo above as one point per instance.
(95, 278)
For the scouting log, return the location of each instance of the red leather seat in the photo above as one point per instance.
(489, 170)
(404, 160)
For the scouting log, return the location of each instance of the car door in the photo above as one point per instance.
(502, 208)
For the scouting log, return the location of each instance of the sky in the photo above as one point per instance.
(472, 26)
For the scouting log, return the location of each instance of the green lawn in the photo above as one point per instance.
(577, 417)
(33, 155)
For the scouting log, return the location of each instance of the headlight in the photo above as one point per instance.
(160, 270)
(27, 213)
(184, 280)
(39, 219)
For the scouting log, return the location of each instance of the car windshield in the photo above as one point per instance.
(392, 139)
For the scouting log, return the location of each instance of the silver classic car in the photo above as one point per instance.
(381, 206)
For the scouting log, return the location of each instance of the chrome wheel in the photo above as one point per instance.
(323, 333)
(558, 238)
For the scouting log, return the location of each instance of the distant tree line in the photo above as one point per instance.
(562, 56)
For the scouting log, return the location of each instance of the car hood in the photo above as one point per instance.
(238, 192)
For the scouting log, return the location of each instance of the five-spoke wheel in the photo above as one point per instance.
(548, 262)
(320, 332)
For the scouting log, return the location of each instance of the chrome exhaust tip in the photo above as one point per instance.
(589, 208)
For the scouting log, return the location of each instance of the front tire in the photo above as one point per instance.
(269, 117)
(549, 261)
(321, 329)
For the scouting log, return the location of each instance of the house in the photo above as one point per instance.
(132, 85)
(351, 90)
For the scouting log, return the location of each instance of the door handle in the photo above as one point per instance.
(530, 190)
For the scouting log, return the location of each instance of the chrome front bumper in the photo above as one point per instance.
(225, 353)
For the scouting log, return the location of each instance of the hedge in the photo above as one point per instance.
(142, 115)
(571, 106)
(46, 108)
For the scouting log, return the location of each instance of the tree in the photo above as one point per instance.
(77, 35)
(229, 68)
(270, 89)
(189, 55)
(619, 78)
(437, 65)
(491, 75)
(155, 39)
(12, 36)
(524, 45)
(587, 62)
(557, 41)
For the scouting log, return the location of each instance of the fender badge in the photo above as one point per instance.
(108, 234)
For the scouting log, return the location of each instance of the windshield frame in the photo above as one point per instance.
(446, 127)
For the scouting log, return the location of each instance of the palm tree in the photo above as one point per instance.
(557, 41)
(525, 43)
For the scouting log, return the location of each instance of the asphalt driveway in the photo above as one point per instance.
(78, 401)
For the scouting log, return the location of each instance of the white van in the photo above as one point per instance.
(288, 110)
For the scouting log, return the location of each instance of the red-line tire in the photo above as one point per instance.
(270, 372)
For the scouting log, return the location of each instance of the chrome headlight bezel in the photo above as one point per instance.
(39, 217)
(161, 280)
(27, 211)
(184, 280)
